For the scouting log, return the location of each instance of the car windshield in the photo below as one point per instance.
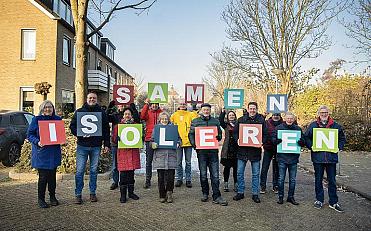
(28, 118)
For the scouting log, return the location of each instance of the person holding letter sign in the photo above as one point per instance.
(128, 159)
(288, 154)
(207, 158)
(321, 140)
(89, 146)
(165, 156)
(250, 151)
(149, 114)
(45, 158)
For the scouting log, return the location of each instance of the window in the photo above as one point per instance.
(28, 44)
(28, 118)
(99, 64)
(74, 56)
(63, 10)
(68, 15)
(56, 6)
(17, 119)
(66, 50)
(27, 96)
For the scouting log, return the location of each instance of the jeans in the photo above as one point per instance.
(331, 173)
(211, 161)
(188, 156)
(255, 169)
(165, 181)
(268, 156)
(82, 155)
(46, 177)
(292, 168)
(149, 159)
(114, 171)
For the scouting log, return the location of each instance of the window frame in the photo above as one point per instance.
(22, 44)
(69, 50)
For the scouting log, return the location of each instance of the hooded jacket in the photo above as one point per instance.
(183, 119)
(151, 117)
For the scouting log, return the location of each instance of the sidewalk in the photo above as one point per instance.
(354, 171)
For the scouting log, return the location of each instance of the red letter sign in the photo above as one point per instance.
(206, 138)
(123, 94)
(194, 93)
(52, 132)
(250, 135)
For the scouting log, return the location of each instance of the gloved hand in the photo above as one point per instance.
(278, 141)
(301, 142)
(154, 145)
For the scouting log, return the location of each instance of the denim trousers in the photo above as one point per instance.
(292, 169)
(255, 169)
(211, 161)
(188, 156)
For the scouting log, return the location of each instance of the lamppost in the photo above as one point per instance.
(277, 72)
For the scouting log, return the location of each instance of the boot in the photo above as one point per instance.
(43, 204)
(169, 197)
(226, 188)
(53, 200)
(123, 191)
(147, 184)
(132, 195)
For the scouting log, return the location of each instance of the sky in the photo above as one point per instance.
(173, 41)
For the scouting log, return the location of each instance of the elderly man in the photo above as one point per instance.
(89, 147)
(323, 160)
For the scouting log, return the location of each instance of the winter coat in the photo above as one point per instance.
(250, 153)
(287, 158)
(324, 157)
(151, 118)
(127, 158)
(46, 157)
(92, 141)
(230, 146)
(203, 121)
(183, 119)
(271, 126)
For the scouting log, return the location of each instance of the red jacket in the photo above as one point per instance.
(127, 158)
(271, 127)
(151, 117)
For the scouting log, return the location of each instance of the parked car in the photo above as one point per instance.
(13, 132)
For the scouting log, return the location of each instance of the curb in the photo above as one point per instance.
(60, 176)
(343, 186)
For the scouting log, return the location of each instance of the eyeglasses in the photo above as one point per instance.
(323, 112)
(50, 107)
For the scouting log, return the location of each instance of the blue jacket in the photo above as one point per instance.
(287, 158)
(324, 157)
(47, 157)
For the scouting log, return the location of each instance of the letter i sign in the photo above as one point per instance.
(52, 132)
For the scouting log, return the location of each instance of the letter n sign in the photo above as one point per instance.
(52, 132)
(130, 136)
(123, 94)
(206, 137)
(166, 136)
(233, 98)
(277, 103)
(194, 93)
(325, 139)
(89, 124)
(250, 135)
(158, 92)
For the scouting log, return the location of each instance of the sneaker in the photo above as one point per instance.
(204, 198)
(78, 200)
(255, 198)
(336, 207)
(238, 196)
(178, 183)
(114, 186)
(162, 200)
(189, 184)
(220, 200)
(93, 198)
(280, 200)
(318, 204)
(275, 189)
(226, 188)
(169, 197)
(292, 201)
(43, 204)
(263, 190)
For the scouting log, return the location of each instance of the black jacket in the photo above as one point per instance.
(92, 141)
(115, 117)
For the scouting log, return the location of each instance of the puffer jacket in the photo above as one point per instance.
(183, 119)
(151, 118)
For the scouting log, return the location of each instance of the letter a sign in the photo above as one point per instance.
(194, 93)
(158, 92)
(325, 139)
(206, 137)
(250, 135)
(52, 132)
(123, 94)
(130, 136)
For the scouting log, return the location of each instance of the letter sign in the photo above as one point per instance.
(52, 132)
(206, 138)
(89, 124)
(123, 94)
(250, 135)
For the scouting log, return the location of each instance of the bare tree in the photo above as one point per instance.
(277, 35)
(79, 10)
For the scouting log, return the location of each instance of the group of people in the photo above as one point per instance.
(168, 162)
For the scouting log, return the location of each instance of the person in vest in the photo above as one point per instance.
(229, 149)
(252, 154)
(45, 158)
(128, 159)
(287, 161)
(207, 158)
(270, 151)
(165, 161)
(149, 114)
(183, 118)
(89, 147)
(325, 161)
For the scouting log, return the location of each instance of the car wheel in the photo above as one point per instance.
(13, 155)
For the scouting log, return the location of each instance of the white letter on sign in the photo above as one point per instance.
(287, 139)
(330, 141)
(158, 93)
(252, 135)
(122, 91)
(274, 102)
(90, 127)
(163, 141)
(204, 136)
(124, 136)
(52, 132)
(234, 96)
(194, 96)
